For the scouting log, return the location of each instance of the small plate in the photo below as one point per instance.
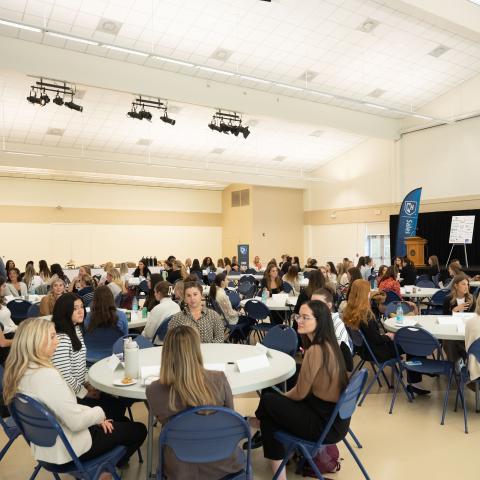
(119, 383)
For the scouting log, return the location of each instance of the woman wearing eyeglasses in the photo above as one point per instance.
(305, 409)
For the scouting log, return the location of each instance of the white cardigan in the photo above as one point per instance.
(47, 386)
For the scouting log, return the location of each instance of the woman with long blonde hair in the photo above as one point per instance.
(184, 383)
(29, 370)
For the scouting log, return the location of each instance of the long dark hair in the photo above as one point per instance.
(332, 268)
(219, 278)
(195, 266)
(103, 312)
(146, 270)
(57, 270)
(324, 336)
(43, 268)
(355, 274)
(62, 318)
(151, 301)
(316, 280)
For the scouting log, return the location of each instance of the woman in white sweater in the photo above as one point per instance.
(29, 370)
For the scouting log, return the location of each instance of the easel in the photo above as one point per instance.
(464, 250)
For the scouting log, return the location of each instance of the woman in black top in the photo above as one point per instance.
(196, 269)
(142, 270)
(151, 301)
(434, 267)
(460, 300)
(274, 284)
(316, 281)
(409, 272)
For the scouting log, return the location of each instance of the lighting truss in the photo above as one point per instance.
(38, 93)
(228, 122)
(140, 112)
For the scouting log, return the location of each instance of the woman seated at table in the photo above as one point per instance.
(353, 273)
(305, 409)
(57, 270)
(460, 300)
(382, 269)
(217, 293)
(206, 321)
(78, 283)
(358, 315)
(207, 264)
(257, 264)
(398, 267)
(177, 272)
(70, 356)
(142, 271)
(454, 269)
(184, 383)
(228, 265)
(292, 278)
(15, 287)
(151, 302)
(316, 281)
(409, 272)
(332, 275)
(9, 265)
(6, 323)
(164, 309)
(433, 267)
(472, 333)
(104, 314)
(31, 279)
(195, 269)
(29, 370)
(123, 270)
(57, 289)
(44, 271)
(389, 282)
(271, 280)
(115, 283)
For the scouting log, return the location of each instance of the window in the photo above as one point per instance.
(379, 249)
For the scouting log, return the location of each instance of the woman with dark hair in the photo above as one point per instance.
(381, 272)
(142, 271)
(398, 267)
(361, 262)
(217, 293)
(44, 271)
(305, 409)
(433, 267)
(291, 277)
(316, 281)
(296, 263)
(409, 272)
(103, 312)
(9, 265)
(57, 270)
(196, 269)
(271, 280)
(332, 274)
(389, 282)
(228, 265)
(14, 286)
(151, 302)
(7, 327)
(207, 264)
(70, 357)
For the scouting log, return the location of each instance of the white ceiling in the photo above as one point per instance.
(277, 41)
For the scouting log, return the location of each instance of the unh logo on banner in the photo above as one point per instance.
(243, 250)
(410, 207)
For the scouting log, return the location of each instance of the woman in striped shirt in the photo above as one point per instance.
(70, 356)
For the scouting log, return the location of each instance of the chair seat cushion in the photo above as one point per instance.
(430, 366)
(287, 439)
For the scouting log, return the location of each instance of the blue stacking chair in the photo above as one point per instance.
(234, 298)
(436, 280)
(435, 305)
(392, 308)
(197, 437)
(142, 342)
(286, 287)
(251, 271)
(391, 297)
(34, 310)
(464, 378)
(162, 330)
(99, 343)
(211, 277)
(143, 287)
(344, 409)
(422, 277)
(246, 278)
(246, 289)
(9, 427)
(18, 309)
(39, 426)
(366, 355)
(258, 311)
(283, 339)
(418, 343)
(425, 283)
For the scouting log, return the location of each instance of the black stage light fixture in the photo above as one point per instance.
(165, 118)
(73, 106)
(245, 132)
(32, 98)
(139, 111)
(58, 100)
(144, 114)
(44, 98)
(228, 122)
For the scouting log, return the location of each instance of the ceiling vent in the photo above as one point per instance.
(317, 133)
(221, 54)
(308, 76)
(111, 27)
(55, 131)
(279, 158)
(439, 51)
(145, 141)
(378, 92)
(218, 151)
(368, 25)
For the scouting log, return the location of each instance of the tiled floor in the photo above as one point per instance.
(411, 443)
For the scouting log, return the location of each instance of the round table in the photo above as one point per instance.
(430, 323)
(475, 283)
(274, 305)
(419, 292)
(281, 368)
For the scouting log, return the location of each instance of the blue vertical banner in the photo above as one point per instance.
(407, 221)
(243, 251)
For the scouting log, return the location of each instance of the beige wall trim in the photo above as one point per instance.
(21, 214)
(381, 213)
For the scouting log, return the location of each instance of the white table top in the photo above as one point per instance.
(475, 283)
(419, 292)
(281, 368)
(273, 304)
(71, 273)
(430, 323)
(237, 277)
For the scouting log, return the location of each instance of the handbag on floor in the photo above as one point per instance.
(327, 460)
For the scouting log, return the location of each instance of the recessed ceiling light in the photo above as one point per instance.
(254, 79)
(290, 87)
(19, 25)
(378, 92)
(279, 158)
(476, 2)
(308, 76)
(125, 50)
(368, 25)
(439, 51)
(218, 151)
(26, 154)
(374, 105)
(106, 25)
(144, 141)
(423, 117)
(317, 133)
(321, 94)
(221, 54)
(73, 39)
(172, 60)
(215, 70)
(55, 131)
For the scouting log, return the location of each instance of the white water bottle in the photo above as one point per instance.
(264, 295)
(399, 319)
(132, 359)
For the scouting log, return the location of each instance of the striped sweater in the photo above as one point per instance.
(71, 365)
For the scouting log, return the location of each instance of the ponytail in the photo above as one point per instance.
(219, 278)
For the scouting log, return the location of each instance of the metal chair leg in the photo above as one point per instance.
(355, 439)
(357, 460)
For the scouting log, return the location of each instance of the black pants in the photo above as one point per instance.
(455, 350)
(129, 434)
(113, 407)
(306, 419)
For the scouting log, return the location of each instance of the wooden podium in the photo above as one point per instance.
(416, 250)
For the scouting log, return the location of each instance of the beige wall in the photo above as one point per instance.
(277, 222)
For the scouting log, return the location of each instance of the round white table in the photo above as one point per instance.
(256, 276)
(407, 291)
(431, 323)
(475, 283)
(273, 304)
(281, 367)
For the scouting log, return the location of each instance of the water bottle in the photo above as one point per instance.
(399, 319)
(134, 304)
(264, 295)
(132, 359)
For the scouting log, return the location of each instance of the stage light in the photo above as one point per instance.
(44, 99)
(165, 118)
(144, 114)
(58, 100)
(73, 106)
(228, 122)
(32, 98)
(245, 132)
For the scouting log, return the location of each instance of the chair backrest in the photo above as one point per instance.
(287, 287)
(306, 274)
(87, 298)
(359, 341)
(213, 304)
(39, 425)
(234, 298)
(246, 289)
(118, 299)
(251, 271)
(439, 297)
(256, 310)
(34, 310)
(142, 342)
(100, 342)
(391, 297)
(417, 341)
(143, 286)
(436, 280)
(474, 349)
(162, 330)
(195, 435)
(246, 278)
(422, 277)
(392, 308)
(19, 308)
(84, 291)
(425, 283)
(282, 338)
(211, 276)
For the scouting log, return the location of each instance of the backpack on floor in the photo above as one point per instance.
(327, 460)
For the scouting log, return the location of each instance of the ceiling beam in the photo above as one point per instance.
(90, 70)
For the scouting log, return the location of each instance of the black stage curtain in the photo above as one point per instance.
(435, 227)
